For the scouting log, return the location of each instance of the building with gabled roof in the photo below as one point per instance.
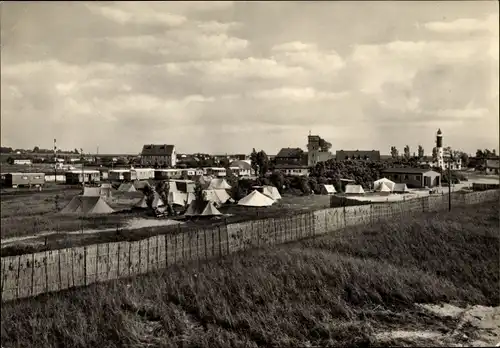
(161, 155)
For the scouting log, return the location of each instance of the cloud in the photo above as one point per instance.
(206, 75)
(465, 25)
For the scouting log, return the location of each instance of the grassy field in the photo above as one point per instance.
(25, 214)
(340, 289)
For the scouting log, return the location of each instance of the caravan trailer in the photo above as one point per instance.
(139, 174)
(117, 174)
(16, 180)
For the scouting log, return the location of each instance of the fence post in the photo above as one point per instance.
(345, 218)
(59, 269)
(220, 242)
(85, 264)
(158, 251)
(166, 249)
(147, 256)
(107, 262)
(46, 272)
(118, 261)
(227, 236)
(140, 256)
(97, 263)
(18, 275)
(205, 241)
(32, 275)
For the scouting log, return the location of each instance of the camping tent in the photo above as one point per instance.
(390, 184)
(186, 186)
(256, 199)
(219, 184)
(198, 209)
(271, 192)
(97, 191)
(328, 189)
(180, 198)
(127, 187)
(400, 188)
(383, 189)
(157, 202)
(92, 191)
(87, 205)
(218, 196)
(354, 189)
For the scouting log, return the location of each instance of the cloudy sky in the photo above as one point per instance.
(223, 77)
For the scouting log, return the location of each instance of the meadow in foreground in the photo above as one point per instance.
(339, 289)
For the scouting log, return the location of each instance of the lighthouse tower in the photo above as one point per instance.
(439, 148)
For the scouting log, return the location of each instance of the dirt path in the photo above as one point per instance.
(132, 224)
(478, 326)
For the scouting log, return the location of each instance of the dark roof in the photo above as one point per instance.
(493, 164)
(157, 150)
(288, 152)
(406, 170)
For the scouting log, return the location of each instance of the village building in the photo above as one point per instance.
(413, 177)
(161, 155)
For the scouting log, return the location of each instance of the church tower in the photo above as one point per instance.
(439, 148)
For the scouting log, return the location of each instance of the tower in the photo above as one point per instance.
(439, 148)
(313, 150)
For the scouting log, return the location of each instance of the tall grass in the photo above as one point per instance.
(335, 290)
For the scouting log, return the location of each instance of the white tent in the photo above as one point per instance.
(197, 208)
(327, 189)
(256, 199)
(127, 187)
(180, 198)
(219, 184)
(157, 202)
(400, 188)
(383, 189)
(218, 196)
(354, 190)
(97, 191)
(390, 184)
(87, 205)
(271, 192)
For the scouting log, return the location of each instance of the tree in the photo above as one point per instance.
(324, 145)
(465, 159)
(198, 192)
(407, 152)
(434, 153)
(394, 152)
(262, 162)
(10, 160)
(253, 161)
(36, 149)
(278, 180)
(420, 151)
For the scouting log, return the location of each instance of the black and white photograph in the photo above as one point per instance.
(249, 174)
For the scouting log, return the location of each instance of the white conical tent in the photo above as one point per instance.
(390, 184)
(157, 202)
(87, 205)
(127, 187)
(219, 184)
(218, 196)
(92, 191)
(383, 189)
(197, 208)
(354, 189)
(271, 192)
(180, 198)
(400, 188)
(256, 199)
(328, 189)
